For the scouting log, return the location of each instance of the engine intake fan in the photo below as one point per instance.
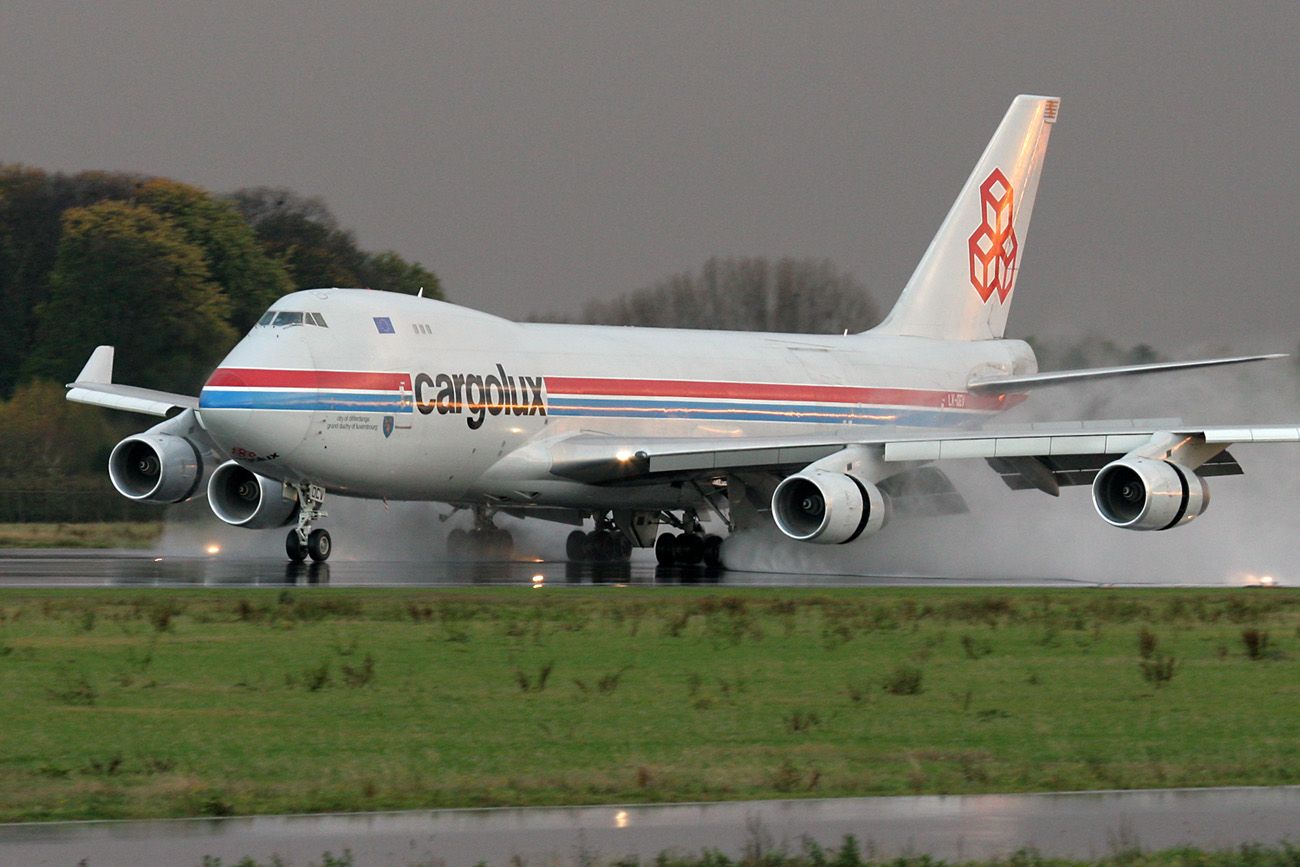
(827, 507)
(155, 468)
(1145, 494)
(242, 498)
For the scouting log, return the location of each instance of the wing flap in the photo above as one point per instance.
(1267, 434)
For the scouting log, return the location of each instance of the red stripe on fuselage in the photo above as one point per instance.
(572, 385)
(255, 377)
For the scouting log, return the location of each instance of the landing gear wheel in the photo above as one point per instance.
(712, 551)
(319, 545)
(303, 541)
(576, 547)
(604, 547)
(688, 549)
(666, 549)
(294, 547)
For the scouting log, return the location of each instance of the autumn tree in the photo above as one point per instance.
(302, 233)
(746, 294)
(236, 261)
(32, 203)
(46, 436)
(388, 271)
(125, 275)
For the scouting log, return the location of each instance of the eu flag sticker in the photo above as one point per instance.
(384, 324)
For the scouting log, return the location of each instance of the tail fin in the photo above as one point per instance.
(961, 290)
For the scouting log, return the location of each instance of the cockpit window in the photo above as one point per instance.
(285, 318)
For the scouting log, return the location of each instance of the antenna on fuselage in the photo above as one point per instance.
(420, 294)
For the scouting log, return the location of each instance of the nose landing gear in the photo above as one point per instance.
(302, 541)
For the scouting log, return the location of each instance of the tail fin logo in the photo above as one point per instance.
(993, 247)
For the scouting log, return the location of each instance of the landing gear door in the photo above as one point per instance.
(642, 528)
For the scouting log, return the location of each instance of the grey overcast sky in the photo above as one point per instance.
(541, 154)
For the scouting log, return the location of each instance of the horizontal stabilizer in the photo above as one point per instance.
(1065, 377)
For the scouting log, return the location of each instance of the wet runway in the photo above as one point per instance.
(94, 568)
(1074, 825)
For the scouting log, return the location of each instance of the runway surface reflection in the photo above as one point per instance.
(69, 568)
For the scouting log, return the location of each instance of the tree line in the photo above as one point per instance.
(169, 273)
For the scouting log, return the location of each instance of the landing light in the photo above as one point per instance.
(1250, 579)
(539, 581)
(620, 819)
(213, 549)
(623, 455)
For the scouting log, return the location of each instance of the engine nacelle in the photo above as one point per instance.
(827, 507)
(1146, 494)
(155, 468)
(242, 498)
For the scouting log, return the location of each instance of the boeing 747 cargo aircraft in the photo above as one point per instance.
(638, 430)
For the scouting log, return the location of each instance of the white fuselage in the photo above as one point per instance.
(386, 395)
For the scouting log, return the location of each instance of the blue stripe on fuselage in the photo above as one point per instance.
(304, 401)
(723, 411)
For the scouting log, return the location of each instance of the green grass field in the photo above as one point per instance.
(116, 534)
(134, 703)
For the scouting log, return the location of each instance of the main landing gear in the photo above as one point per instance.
(486, 541)
(302, 541)
(690, 547)
(605, 544)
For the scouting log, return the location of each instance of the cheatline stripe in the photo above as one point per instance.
(650, 405)
(823, 413)
(360, 380)
(665, 388)
(304, 400)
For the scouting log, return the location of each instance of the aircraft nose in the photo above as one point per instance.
(257, 403)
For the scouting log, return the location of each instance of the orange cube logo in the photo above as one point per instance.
(993, 246)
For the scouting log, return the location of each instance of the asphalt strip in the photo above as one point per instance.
(1069, 824)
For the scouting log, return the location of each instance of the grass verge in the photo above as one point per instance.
(120, 534)
(123, 703)
(850, 854)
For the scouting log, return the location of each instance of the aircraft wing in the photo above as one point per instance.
(95, 386)
(1045, 457)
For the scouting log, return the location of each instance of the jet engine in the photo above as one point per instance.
(1145, 494)
(827, 507)
(155, 468)
(242, 498)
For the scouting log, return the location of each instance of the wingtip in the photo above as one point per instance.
(99, 367)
